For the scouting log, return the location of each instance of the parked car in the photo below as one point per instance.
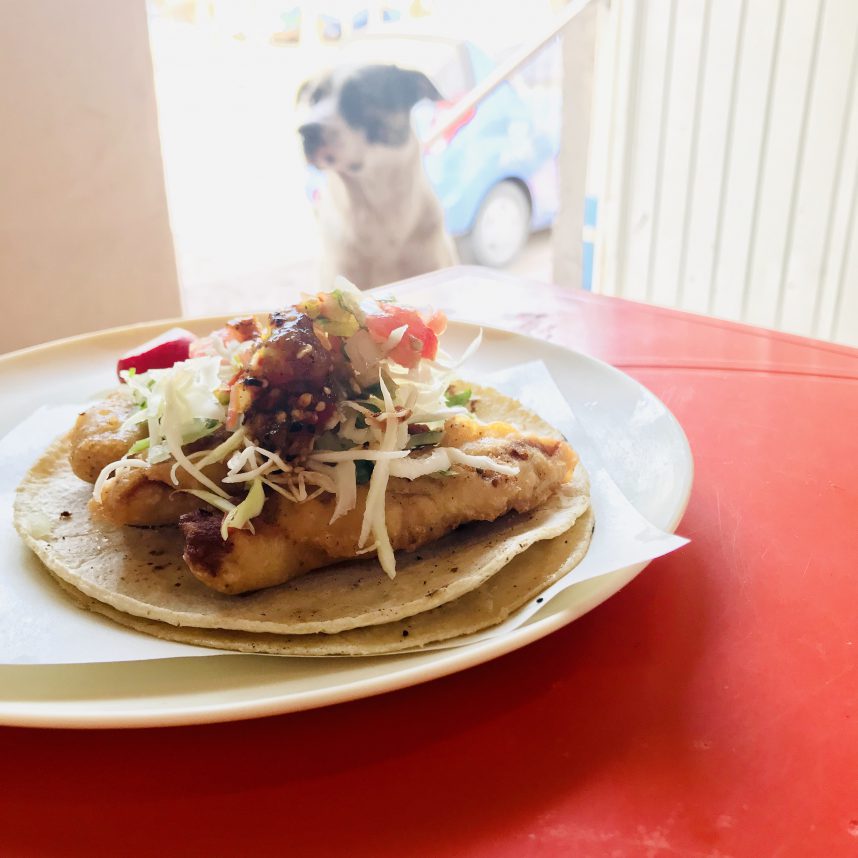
(495, 172)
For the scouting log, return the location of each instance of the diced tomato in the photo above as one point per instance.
(420, 339)
(165, 350)
(438, 322)
(242, 329)
(232, 412)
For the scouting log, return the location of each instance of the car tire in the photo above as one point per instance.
(501, 227)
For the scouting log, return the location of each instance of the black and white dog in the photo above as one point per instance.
(379, 217)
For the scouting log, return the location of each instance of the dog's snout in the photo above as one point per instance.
(311, 132)
(313, 139)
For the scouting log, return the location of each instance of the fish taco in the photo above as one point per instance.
(316, 481)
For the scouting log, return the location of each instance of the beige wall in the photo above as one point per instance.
(84, 234)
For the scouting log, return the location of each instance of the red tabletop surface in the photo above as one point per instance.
(708, 709)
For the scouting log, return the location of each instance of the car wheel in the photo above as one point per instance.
(501, 227)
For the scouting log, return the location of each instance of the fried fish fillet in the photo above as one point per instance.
(98, 438)
(145, 496)
(294, 538)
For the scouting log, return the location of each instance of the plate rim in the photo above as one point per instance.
(73, 714)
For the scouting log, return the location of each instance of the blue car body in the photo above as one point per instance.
(508, 137)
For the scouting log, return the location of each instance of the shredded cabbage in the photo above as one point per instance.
(114, 468)
(345, 481)
(374, 518)
(407, 396)
(210, 497)
(181, 399)
(239, 517)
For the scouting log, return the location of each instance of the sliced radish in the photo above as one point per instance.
(165, 350)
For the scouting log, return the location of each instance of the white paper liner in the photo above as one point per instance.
(622, 538)
(39, 626)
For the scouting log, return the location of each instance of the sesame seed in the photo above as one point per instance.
(320, 406)
(305, 399)
(297, 413)
(305, 351)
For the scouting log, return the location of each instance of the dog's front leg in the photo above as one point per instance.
(338, 261)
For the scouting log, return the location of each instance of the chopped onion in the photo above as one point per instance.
(394, 338)
(364, 354)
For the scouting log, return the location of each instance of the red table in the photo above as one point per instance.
(707, 709)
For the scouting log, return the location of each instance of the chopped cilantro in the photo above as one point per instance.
(331, 441)
(452, 398)
(360, 419)
(363, 471)
(425, 439)
(138, 447)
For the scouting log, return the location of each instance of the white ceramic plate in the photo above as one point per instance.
(649, 459)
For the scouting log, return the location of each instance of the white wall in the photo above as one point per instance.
(84, 234)
(729, 176)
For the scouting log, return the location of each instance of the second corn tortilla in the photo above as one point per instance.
(527, 575)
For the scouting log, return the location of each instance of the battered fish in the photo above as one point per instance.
(98, 438)
(144, 497)
(294, 538)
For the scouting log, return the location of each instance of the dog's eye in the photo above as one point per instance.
(318, 94)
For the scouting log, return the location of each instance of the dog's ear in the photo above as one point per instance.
(379, 98)
(315, 88)
(414, 86)
(387, 88)
(302, 91)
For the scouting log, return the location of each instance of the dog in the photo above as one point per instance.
(379, 217)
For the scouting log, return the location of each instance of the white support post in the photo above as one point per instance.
(579, 46)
